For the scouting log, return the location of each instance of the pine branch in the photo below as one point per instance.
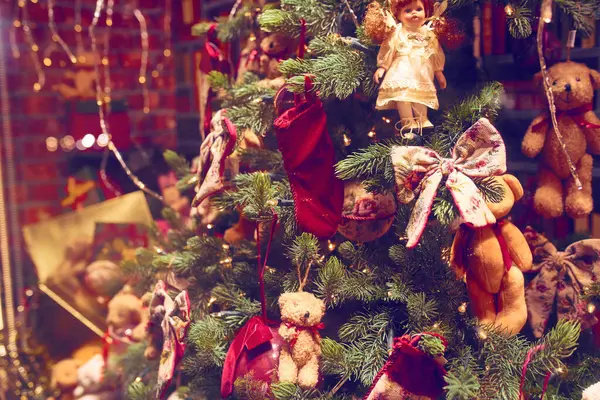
(558, 345)
(519, 23)
(365, 163)
(256, 193)
(462, 376)
(338, 70)
(177, 163)
(485, 104)
(140, 391)
(320, 17)
(583, 12)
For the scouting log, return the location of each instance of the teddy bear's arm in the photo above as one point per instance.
(535, 137)
(457, 262)
(287, 332)
(592, 135)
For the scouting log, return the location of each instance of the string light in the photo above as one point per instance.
(55, 35)
(103, 123)
(546, 11)
(144, 62)
(386, 120)
(482, 334)
(371, 134)
(462, 308)
(509, 10)
(330, 245)
(51, 144)
(347, 140)
(591, 308)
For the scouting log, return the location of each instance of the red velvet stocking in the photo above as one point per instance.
(309, 159)
(408, 374)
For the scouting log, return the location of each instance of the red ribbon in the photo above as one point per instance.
(314, 331)
(530, 355)
(576, 115)
(254, 333)
(302, 45)
(261, 267)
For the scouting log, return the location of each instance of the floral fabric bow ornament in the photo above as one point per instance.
(174, 327)
(479, 153)
(561, 279)
(215, 149)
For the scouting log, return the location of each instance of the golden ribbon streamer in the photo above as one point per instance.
(144, 62)
(103, 123)
(545, 18)
(55, 35)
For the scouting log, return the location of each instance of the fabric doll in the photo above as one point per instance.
(409, 59)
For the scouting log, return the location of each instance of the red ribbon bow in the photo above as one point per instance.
(314, 330)
(576, 115)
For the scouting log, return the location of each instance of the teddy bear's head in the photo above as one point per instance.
(573, 84)
(124, 311)
(301, 308)
(276, 45)
(64, 374)
(511, 192)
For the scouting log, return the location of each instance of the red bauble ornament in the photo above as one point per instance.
(254, 353)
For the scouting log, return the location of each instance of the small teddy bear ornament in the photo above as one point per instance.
(127, 317)
(493, 259)
(301, 314)
(573, 87)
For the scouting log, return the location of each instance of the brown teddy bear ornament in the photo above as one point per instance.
(493, 259)
(573, 87)
(301, 314)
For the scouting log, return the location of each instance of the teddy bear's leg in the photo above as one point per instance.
(548, 198)
(483, 304)
(579, 203)
(287, 371)
(512, 308)
(308, 376)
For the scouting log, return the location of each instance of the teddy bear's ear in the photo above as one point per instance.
(283, 299)
(595, 76)
(514, 185)
(538, 79)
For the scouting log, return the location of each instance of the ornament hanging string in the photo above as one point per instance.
(104, 123)
(262, 266)
(545, 18)
(528, 359)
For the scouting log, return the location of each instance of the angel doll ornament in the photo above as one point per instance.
(409, 60)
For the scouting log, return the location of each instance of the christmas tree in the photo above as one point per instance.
(325, 148)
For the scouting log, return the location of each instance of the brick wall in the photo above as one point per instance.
(41, 173)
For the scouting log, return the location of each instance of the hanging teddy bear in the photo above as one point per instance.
(493, 259)
(301, 314)
(409, 60)
(573, 87)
